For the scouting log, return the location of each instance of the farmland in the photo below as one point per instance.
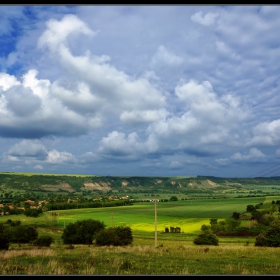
(199, 200)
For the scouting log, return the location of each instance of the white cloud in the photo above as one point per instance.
(253, 155)
(207, 19)
(135, 117)
(12, 158)
(222, 161)
(59, 31)
(116, 144)
(266, 134)
(28, 148)
(38, 166)
(175, 164)
(56, 157)
(7, 81)
(163, 56)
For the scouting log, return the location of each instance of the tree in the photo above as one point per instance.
(235, 215)
(23, 234)
(4, 238)
(205, 227)
(116, 236)
(250, 208)
(29, 212)
(173, 198)
(213, 221)
(206, 238)
(44, 241)
(81, 232)
(270, 237)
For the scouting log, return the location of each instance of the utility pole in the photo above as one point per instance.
(112, 219)
(155, 223)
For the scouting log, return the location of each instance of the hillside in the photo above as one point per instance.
(19, 182)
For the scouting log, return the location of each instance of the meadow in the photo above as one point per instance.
(151, 253)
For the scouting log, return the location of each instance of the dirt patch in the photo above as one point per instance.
(124, 183)
(61, 186)
(211, 183)
(102, 186)
(66, 187)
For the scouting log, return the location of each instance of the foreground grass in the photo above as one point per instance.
(140, 260)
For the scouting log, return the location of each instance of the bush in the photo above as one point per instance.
(23, 234)
(117, 236)
(44, 241)
(206, 238)
(4, 238)
(81, 232)
(32, 212)
(173, 198)
(270, 237)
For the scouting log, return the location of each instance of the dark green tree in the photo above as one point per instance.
(250, 208)
(4, 238)
(81, 232)
(270, 237)
(23, 234)
(206, 238)
(116, 236)
(44, 241)
(235, 215)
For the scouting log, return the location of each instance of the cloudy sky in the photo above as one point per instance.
(140, 90)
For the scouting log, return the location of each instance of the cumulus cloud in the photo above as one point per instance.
(116, 144)
(253, 155)
(266, 134)
(38, 166)
(163, 56)
(29, 111)
(56, 157)
(150, 93)
(148, 116)
(207, 19)
(206, 119)
(175, 164)
(7, 81)
(57, 33)
(28, 148)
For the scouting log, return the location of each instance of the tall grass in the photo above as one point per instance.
(141, 260)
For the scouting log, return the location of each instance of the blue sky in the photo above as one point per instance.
(140, 90)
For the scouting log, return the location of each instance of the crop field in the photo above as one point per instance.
(189, 215)
(46, 174)
(175, 254)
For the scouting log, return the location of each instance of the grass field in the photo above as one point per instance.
(46, 174)
(189, 215)
(150, 253)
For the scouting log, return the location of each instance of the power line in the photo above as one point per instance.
(269, 171)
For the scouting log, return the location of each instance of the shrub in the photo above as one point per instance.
(205, 227)
(173, 198)
(4, 238)
(270, 237)
(32, 212)
(23, 234)
(206, 238)
(44, 241)
(81, 232)
(117, 236)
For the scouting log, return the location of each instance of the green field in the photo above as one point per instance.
(151, 253)
(189, 215)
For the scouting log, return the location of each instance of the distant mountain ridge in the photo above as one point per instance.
(103, 184)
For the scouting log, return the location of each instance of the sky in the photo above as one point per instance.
(131, 90)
